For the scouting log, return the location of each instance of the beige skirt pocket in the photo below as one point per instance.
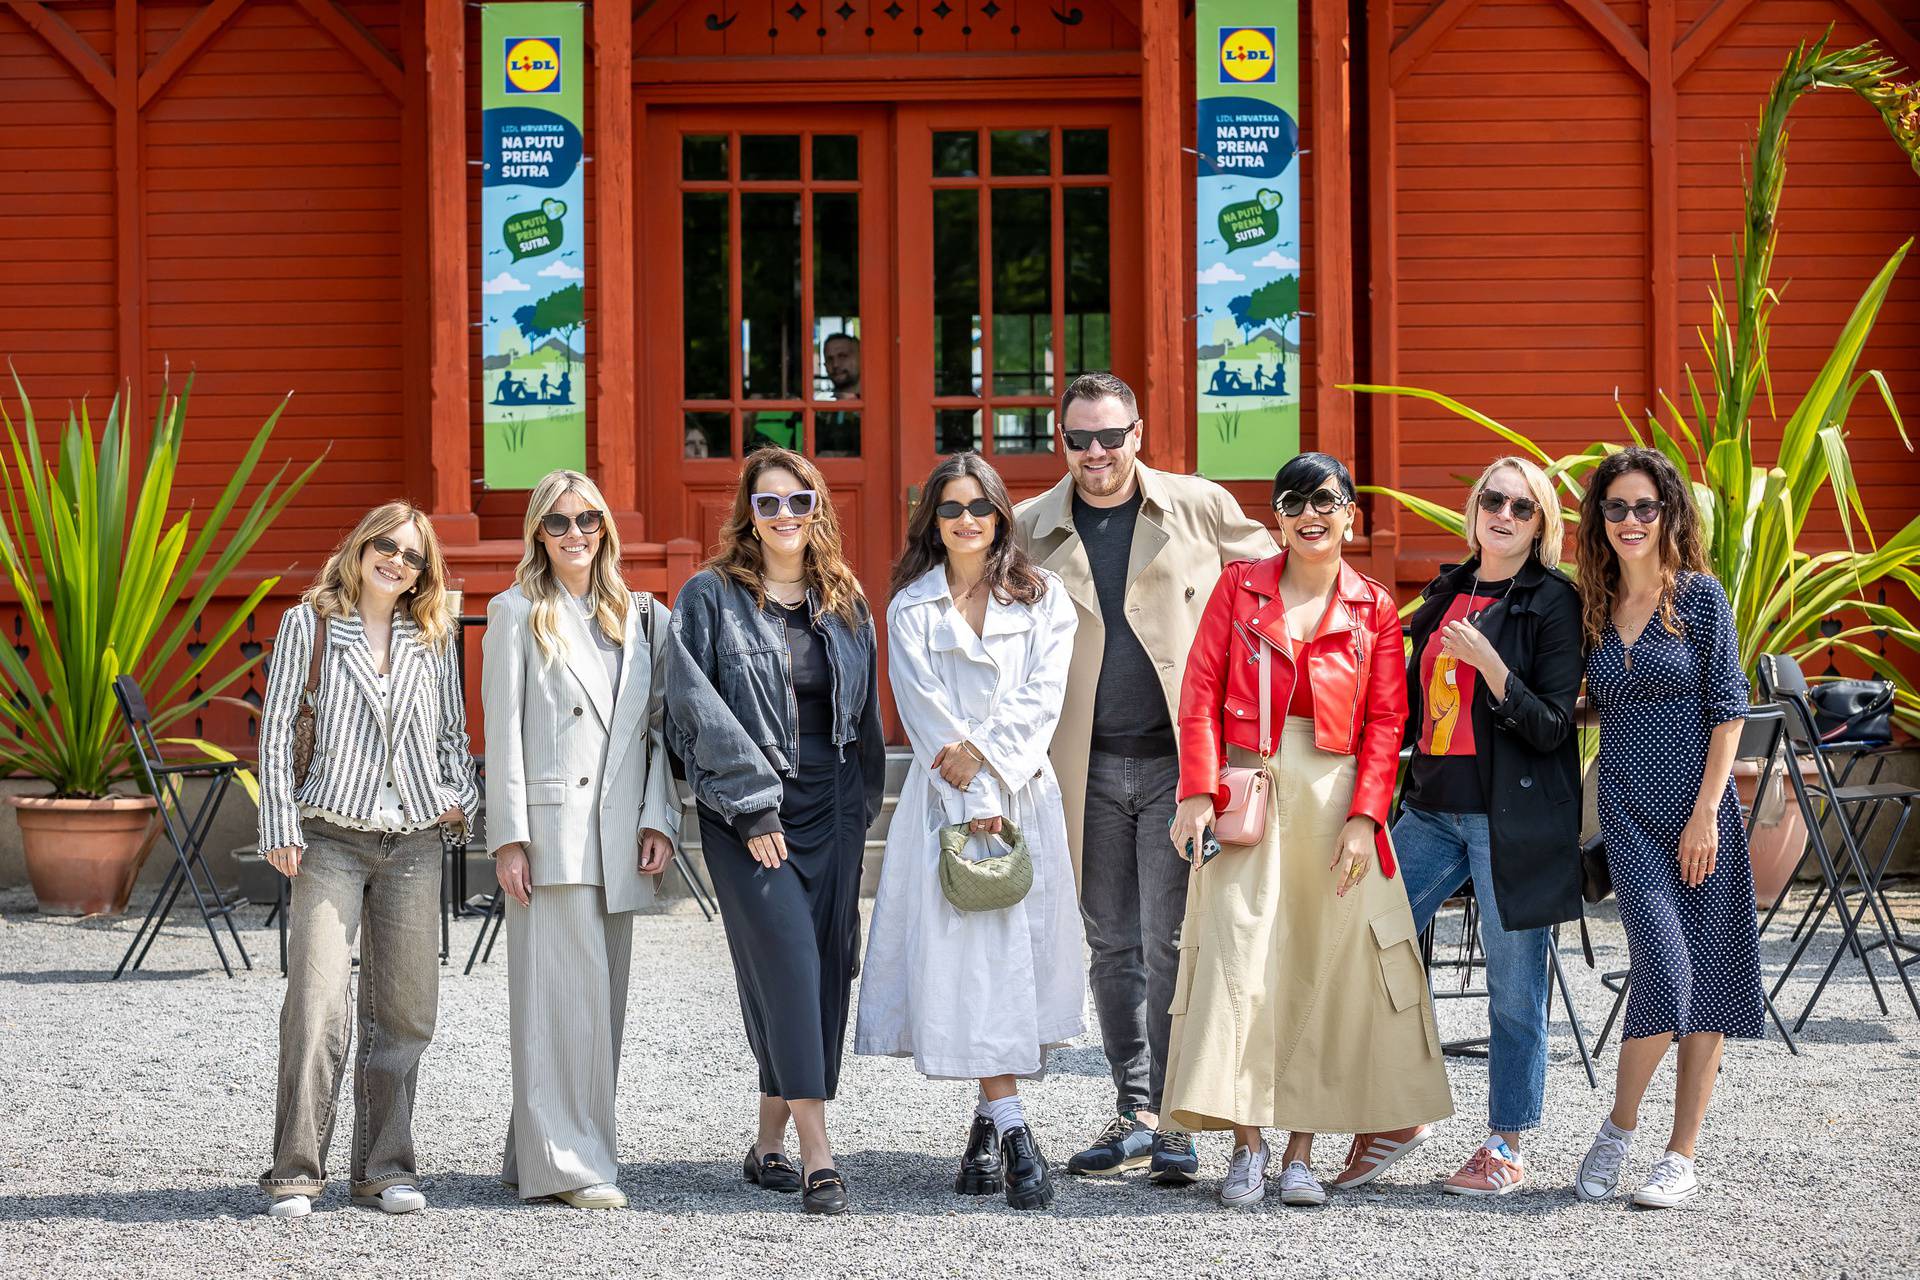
(1399, 961)
(1183, 979)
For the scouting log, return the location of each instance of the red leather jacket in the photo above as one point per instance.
(1356, 663)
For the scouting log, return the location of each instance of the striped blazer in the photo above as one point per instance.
(433, 771)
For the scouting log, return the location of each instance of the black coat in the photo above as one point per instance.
(1530, 748)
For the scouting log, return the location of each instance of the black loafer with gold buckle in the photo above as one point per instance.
(826, 1192)
(773, 1172)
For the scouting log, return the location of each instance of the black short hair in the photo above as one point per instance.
(1098, 386)
(1305, 472)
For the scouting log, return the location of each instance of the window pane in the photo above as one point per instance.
(770, 296)
(1027, 429)
(1089, 309)
(836, 433)
(836, 295)
(777, 427)
(770, 156)
(1022, 292)
(836, 157)
(956, 430)
(709, 434)
(956, 155)
(703, 157)
(1083, 151)
(1022, 153)
(703, 293)
(956, 293)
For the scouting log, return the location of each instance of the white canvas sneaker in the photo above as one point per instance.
(398, 1199)
(1599, 1176)
(295, 1206)
(1671, 1182)
(1300, 1188)
(1246, 1182)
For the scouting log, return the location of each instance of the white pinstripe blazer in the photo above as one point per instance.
(433, 770)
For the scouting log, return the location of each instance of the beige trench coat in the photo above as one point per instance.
(1189, 530)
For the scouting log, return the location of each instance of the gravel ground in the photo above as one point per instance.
(141, 1111)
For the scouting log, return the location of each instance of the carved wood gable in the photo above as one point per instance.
(760, 28)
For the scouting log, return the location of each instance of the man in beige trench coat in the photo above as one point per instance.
(1138, 550)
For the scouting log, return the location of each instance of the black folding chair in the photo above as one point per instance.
(188, 836)
(1761, 738)
(1845, 813)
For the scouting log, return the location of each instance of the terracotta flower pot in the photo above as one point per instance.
(83, 855)
(1779, 834)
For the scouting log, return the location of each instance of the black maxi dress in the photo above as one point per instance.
(792, 929)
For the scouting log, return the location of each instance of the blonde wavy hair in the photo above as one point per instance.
(1550, 543)
(335, 593)
(825, 566)
(537, 582)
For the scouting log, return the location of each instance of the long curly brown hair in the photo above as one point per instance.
(1009, 574)
(824, 564)
(1682, 548)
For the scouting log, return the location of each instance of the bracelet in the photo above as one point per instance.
(974, 751)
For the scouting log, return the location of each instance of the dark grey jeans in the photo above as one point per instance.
(1133, 895)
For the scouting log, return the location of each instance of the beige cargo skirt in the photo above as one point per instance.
(1295, 1009)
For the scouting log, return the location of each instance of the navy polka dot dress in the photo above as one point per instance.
(1694, 953)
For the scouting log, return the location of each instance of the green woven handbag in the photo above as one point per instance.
(985, 884)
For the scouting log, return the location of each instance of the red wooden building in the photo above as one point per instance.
(1514, 201)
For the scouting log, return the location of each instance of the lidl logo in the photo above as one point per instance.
(1247, 55)
(533, 64)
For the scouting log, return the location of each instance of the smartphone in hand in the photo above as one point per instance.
(1209, 846)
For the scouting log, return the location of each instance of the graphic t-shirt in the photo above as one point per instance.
(1444, 775)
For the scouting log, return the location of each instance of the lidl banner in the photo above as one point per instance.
(532, 232)
(1248, 232)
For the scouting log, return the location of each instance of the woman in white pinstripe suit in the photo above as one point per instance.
(581, 817)
(360, 840)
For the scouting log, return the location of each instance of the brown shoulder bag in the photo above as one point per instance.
(303, 717)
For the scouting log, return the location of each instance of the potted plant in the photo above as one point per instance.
(108, 583)
(1785, 597)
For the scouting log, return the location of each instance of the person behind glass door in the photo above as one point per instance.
(581, 816)
(980, 643)
(773, 706)
(836, 432)
(360, 840)
(1663, 670)
(1493, 793)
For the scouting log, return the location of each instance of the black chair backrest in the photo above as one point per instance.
(1760, 736)
(133, 705)
(1781, 672)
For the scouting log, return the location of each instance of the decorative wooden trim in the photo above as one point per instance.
(450, 493)
(1121, 85)
(65, 41)
(1332, 177)
(1663, 204)
(651, 21)
(613, 162)
(193, 37)
(906, 69)
(1888, 30)
(1407, 53)
(1705, 34)
(1383, 461)
(1607, 24)
(1168, 369)
(358, 41)
(129, 267)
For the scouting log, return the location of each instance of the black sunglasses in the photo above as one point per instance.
(1493, 502)
(387, 548)
(1324, 502)
(1109, 437)
(979, 509)
(557, 525)
(799, 503)
(1646, 511)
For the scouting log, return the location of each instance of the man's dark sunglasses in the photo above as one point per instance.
(1646, 511)
(387, 548)
(979, 509)
(1109, 437)
(557, 525)
(1324, 502)
(1493, 502)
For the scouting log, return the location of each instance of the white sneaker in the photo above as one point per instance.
(1599, 1176)
(601, 1195)
(295, 1206)
(1671, 1182)
(398, 1199)
(1299, 1187)
(1246, 1182)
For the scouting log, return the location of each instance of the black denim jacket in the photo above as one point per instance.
(731, 716)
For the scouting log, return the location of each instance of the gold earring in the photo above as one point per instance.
(1349, 533)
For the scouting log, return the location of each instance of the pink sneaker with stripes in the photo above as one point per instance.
(1490, 1171)
(1372, 1154)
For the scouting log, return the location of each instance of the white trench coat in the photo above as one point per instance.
(968, 995)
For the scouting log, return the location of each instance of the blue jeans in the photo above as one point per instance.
(1439, 852)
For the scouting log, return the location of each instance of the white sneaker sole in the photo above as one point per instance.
(1244, 1199)
(1303, 1199)
(388, 1206)
(1644, 1199)
(1412, 1145)
(280, 1209)
(1453, 1190)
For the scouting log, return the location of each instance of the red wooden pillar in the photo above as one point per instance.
(130, 276)
(1383, 232)
(1168, 289)
(1332, 229)
(1663, 203)
(616, 452)
(449, 494)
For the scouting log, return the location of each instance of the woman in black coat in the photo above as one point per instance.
(1493, 791)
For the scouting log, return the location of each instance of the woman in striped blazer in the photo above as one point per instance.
(360, 839)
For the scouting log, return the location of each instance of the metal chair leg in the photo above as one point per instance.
(1558, 975)
(496, 912)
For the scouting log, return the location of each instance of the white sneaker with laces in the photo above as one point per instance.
(1671, 1182)
(397, 1199)
(1299, 1187)
(1246, 1182)
(1599, 1176)
(294, 1206)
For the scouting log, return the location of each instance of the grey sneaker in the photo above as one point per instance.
(1671, 1182)
(1599, 1176)
(1246, 1182)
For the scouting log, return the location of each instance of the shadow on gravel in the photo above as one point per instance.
(97, 977)
(160, 1204)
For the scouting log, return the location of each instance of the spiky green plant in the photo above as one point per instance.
(1754, 515)
(108, 585)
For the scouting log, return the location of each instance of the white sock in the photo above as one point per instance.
(1006, 1113)
(1498, 1145)
(1615, 1132)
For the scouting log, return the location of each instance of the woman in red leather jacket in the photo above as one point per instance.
(1301, 1002)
